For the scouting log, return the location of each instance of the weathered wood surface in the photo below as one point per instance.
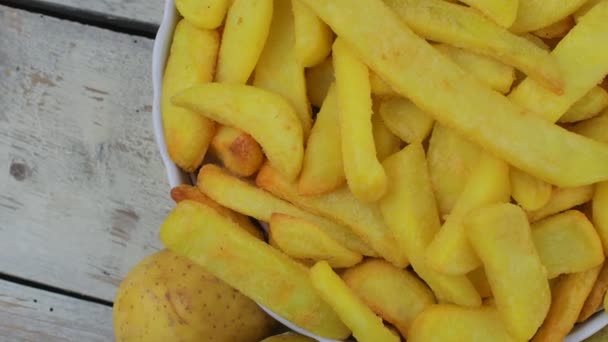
(82, 187)
(28, 314)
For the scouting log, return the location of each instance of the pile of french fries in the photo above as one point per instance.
(452, 185)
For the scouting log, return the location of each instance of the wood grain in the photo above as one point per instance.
(82, 187)
(28, 314)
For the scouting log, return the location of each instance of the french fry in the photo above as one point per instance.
(313, 37)
(301, 239)
(405, 120)
(567, 243)
(480, 281)
(562, 199)
(502, 12)
(409, 210)
(466, 28)
(237, 150)
(191, 61)
(451, 159)
(318, 80)
(595, 298)
(556, 30)
(595, 101)
(245, 32)
(187, 192)
(341, 206)
(457, 100)
(365, 325)
(488, 71)
(242, 197)
(239, 106)
(536, 40)
(584, 9)
(251, 266)
(568, 298)
(451, 323)
(379, 87)
(450, 251)
(322, 168)
(529, 192)
(599, 203)
(385, 141)
(278, 69)
(396, 295)
(205, 14)
(595, 128)
(364, 174)
(536, 14)
(500, 234)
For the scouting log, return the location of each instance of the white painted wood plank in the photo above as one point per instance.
(82, 187)
(28, 314)
(147, 11)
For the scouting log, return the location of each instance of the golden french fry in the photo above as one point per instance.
(595, 128)
(466, 28)
(364, 174)
(322, 168)
(318, 80)
(385, 141)
(488, 71)
(278, 69)
(529, 192)
(242, 197)
(237, 150)
(556, 30)
(187, 192)
(594, 300)
(191, 61)
(245, 32)
(313, 37)
(451, 159)
(536, 40)
(562, 199)
(255, 111)
(251, 266)
(302, 239)
(500, 234)
(379, 87)
(365, 325)
(450, 251)
(568, 298)
(457, 100)
(409, 210)
(480, 281)
(396, 295)
(502, 12)
(567, 243)
(204, 14)
(536, 14)
(599, 210)
(589, 4)
(341, 206)
(405, 120)
(451, 323)
(595, 101)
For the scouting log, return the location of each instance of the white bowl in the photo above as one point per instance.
(177, 176)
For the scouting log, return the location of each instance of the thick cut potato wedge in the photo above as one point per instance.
(457, 100)
(244, 198)
(243, 38)
(595, 101)
(536, 14)
(480, 281)
(191, 61)
(451, 323)
(595, 128)
(556, 30)
(204, 14)
(396, 295)
(600, 212)
(278, 69)
(466, 28)
(258, 112)
(341, 206)
(568, 298)
(364, 174)
(405, 120)
(365, 325)
(318, 80)
(256, 269)
(567, 243)
(594, 301)
(313, 36)
(301, 239)
(385, 141)
(409, 210)
(562, 199)
(322, 168)
(237, 150)
(450, 252)
(500, 234)
(502, 12)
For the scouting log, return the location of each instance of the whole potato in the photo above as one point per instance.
(166, 297)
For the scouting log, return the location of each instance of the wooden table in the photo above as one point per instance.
(82, 186)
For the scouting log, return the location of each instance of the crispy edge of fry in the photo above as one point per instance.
(237, 150)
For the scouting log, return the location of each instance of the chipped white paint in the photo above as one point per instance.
(148, 11)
